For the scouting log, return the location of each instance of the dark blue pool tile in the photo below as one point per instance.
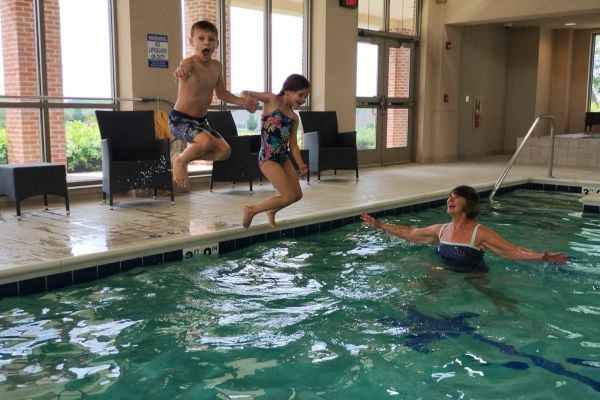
(171, 256)
(536, 186)
(132, 263)
(418, 207)
(273, 235)
(300, 231)
(592, 209)
(58, 281)
(108, 269)
(32, 286)
(404, 209)
(574, 189)
(562, 188)
(438, 203)
(325, 226)
(9, 290)
(337, 223)
(85, 275)
(153, 259)
(258, 238)
(548, 187)
(226, 246)
(378, 214)
(243, 242)
(348, 220)
(312, 229)
(287, 233)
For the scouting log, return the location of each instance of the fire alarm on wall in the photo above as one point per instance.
(349, 3)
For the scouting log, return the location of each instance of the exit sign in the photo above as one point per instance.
(349, 3)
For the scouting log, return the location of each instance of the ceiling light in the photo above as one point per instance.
(570, 23)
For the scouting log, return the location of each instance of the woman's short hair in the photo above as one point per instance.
(293, 83)
(472, 198)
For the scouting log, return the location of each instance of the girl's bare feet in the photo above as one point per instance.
(271, 217)
(247, 218)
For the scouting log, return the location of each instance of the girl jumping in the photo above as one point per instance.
(278, 129)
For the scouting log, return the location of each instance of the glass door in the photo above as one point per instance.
(384, 105)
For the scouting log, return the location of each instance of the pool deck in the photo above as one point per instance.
(45, 247)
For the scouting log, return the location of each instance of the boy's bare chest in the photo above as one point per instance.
(204, 77)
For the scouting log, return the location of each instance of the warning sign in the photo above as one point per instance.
(158, 51)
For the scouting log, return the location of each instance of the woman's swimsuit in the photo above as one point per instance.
(462, 257)
(275, 135)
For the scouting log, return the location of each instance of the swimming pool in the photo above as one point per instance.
(350, 314)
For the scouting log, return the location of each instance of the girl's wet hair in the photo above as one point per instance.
(472, 197)
(293, 83)
(204, 26)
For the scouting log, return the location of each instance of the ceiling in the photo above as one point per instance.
(583, 21)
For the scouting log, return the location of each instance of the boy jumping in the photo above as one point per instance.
(199, 76)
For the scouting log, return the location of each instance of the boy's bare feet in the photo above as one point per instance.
(180, 174)
(271, 217)
(247, 218)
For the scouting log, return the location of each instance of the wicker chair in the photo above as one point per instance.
(132, 157)
(329, 148)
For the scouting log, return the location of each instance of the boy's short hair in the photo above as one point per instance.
(204, 26)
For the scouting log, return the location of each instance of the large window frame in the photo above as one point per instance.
(44, 103)
(593, 104)
(385, 116)
(267, 46)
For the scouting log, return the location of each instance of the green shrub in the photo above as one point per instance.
(3, 146)
(365, 138)
(251, 123)
(83, 146)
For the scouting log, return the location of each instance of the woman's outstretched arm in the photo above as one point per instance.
(488, 239)
(425, 235)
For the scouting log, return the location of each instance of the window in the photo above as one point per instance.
(594, 95)
(244, 48)
(393, 16)
(246, 40)
(50, 80)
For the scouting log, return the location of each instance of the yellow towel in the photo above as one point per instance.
(161, 125)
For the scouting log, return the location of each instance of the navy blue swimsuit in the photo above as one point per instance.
(462, 257)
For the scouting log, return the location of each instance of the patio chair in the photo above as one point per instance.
(329, 148)
(242, 165)
(132, 157)
(591, 119)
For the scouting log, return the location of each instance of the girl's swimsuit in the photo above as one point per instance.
(462, 257)
(275, 135)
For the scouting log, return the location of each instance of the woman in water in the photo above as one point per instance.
(462, 242)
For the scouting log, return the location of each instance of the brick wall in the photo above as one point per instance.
(398, 86)
(197, 10)
(55, 80)
(20, 77)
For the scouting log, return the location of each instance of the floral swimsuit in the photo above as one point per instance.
(275, 135)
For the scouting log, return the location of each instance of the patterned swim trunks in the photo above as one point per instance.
(185, 127)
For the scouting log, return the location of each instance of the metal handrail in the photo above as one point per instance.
(115, 99)
(518, 151)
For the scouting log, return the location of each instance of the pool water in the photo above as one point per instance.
(351, 314)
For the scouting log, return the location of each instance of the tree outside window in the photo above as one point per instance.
(594, 102)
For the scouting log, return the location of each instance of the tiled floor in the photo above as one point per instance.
(48, 241)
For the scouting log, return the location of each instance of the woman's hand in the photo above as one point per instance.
(554, 258)
(370, 220)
